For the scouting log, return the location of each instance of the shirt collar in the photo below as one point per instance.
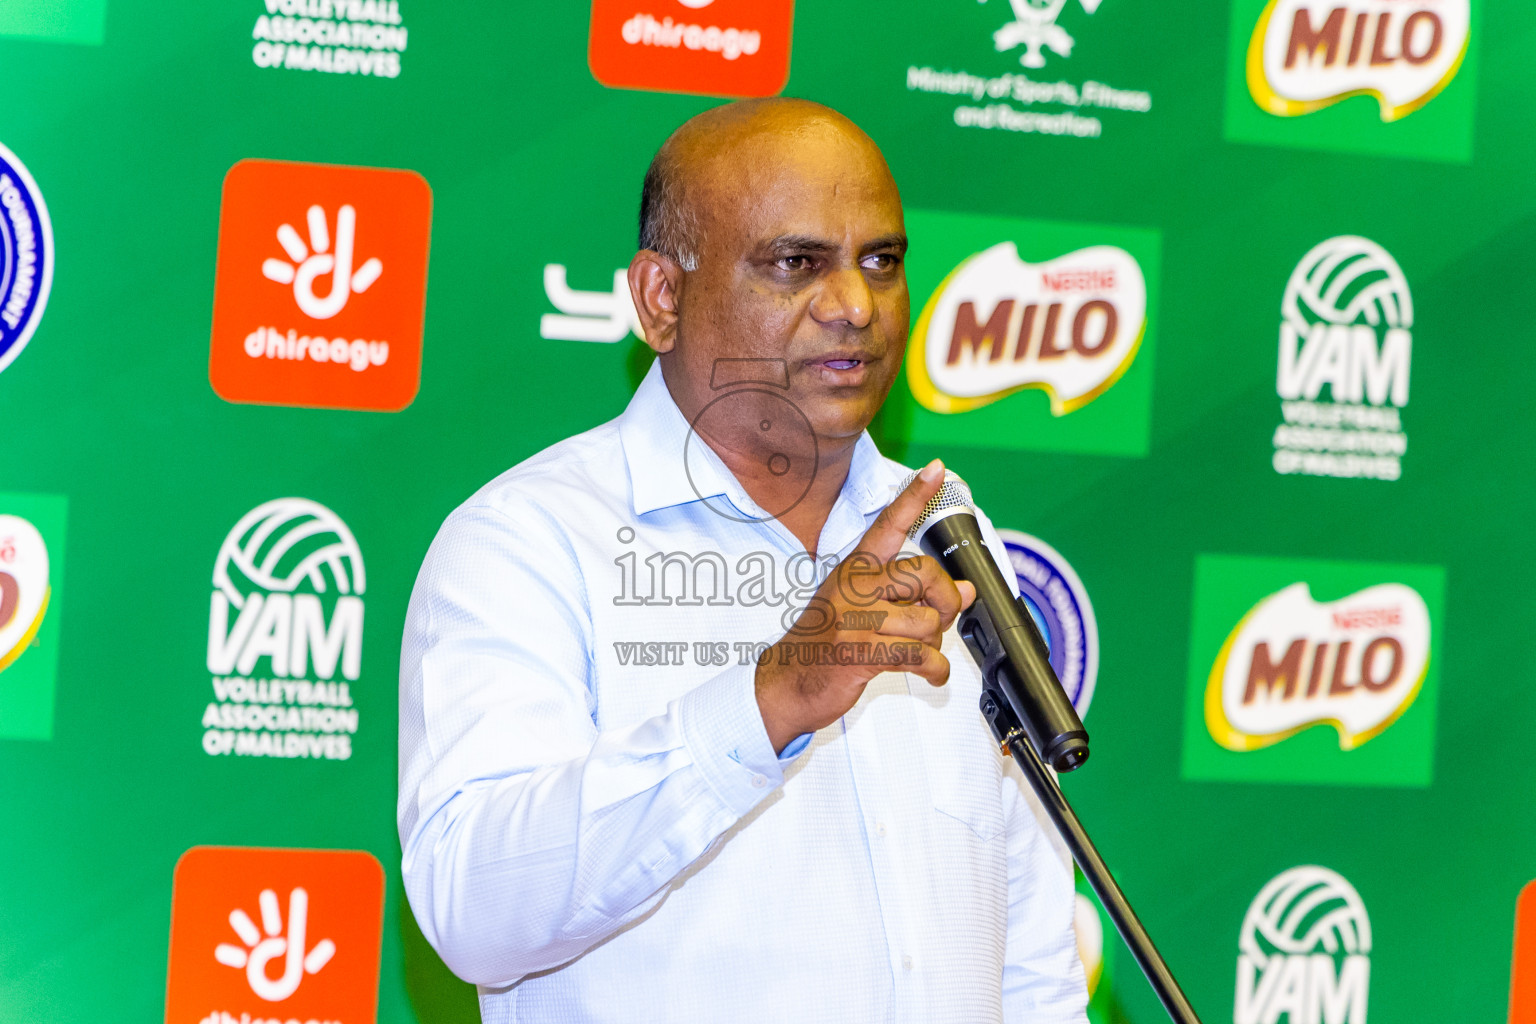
(667, 467)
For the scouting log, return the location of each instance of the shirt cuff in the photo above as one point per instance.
(723, 729)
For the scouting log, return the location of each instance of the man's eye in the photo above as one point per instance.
(795, 264)
(884, 261)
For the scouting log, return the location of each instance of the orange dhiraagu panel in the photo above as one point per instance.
(261, 934)
(709, 47)
(321, 285)
(1522, 981)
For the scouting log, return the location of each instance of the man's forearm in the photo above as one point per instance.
(518, 874)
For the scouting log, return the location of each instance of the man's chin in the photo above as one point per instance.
(837, 422)
(840, 412)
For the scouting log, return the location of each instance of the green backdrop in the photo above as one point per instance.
(128, 115)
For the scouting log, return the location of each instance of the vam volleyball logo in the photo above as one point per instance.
(1304, 55)
(26, 257)
(321, 286)
(1345, 360)
(1059, 604)
(1304, 952)
(1312, 671)
(342, 37)
(997, 324)
(285, 634)
(263, 936)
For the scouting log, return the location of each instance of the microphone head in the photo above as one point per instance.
(954, 496)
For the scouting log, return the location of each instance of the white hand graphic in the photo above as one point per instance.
(257, 951)
(313, 261)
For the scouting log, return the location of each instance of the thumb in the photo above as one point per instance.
(967, 593)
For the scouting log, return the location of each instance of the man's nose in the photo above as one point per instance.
(844, 297)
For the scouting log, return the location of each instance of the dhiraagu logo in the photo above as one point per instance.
(1029, 335)
(1313, 672)
(31, 585)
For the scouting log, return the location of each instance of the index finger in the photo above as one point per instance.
(886, 535)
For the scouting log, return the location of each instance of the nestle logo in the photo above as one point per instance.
(1368, 618)
(1079, 280)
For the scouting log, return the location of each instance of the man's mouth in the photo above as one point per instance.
(842, 371)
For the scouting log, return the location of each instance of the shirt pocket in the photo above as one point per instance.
(963, 767)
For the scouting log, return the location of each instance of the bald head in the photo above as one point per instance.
(771, 233)
(714, 155)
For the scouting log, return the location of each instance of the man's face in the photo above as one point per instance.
(801, 260)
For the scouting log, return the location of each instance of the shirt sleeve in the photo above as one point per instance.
(527, 835)
(1043, 981)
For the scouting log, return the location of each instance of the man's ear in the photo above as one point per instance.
(655, 283)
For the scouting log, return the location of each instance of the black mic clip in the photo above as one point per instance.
(1001, 692)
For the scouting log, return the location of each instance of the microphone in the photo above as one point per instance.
(999, 631)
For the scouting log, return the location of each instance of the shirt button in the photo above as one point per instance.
(906, 963)
(759, 781)
(880, 829)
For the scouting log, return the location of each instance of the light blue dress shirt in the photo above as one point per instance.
(598, 830)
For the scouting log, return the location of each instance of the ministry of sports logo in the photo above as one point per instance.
(1304, 952)
(1059, 604)
(285, 634)
(1030, 100)
(1346, 350)
(1305, 55)
(26, 256)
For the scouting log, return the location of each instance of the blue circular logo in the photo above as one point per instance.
(26, 256)
(1060, 606)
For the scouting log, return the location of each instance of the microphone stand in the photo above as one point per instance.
(996, 707)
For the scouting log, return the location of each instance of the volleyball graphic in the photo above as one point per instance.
(281, 544)
(1347, 280)
(1307, 909)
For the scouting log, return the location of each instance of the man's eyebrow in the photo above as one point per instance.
(807, 243)
(799, 243)
(895, 240)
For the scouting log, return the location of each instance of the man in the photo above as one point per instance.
(683, 736)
